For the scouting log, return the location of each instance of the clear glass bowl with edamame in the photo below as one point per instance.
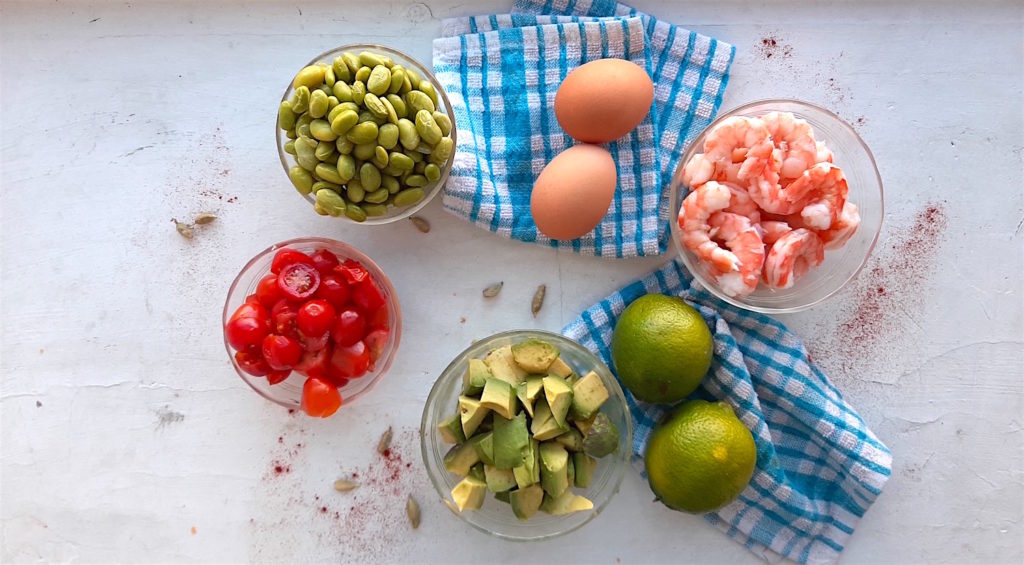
(366, 133)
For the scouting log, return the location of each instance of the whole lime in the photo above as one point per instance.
(661, 348)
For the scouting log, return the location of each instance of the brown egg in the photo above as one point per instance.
(603, 100)
(573, 192)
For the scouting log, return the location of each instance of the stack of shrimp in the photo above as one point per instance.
(765, 202)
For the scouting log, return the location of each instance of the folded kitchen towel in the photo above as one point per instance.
(689, 70)
(502, 86)
(819, 468)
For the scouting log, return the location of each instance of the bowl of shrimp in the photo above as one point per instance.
(778, 206)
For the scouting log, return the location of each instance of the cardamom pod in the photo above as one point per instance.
(204, 218)
(493, 290)
(420, 223)
(538, 299)
(341, 485)
(385, 441)
(412, 508)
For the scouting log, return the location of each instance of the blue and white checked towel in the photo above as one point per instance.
(689, 71)
(819, 467)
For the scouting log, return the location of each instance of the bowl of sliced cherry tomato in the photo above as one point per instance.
(311, 323)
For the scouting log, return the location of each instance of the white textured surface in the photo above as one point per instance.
(124, 427)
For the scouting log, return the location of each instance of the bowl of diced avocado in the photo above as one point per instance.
(526, 435)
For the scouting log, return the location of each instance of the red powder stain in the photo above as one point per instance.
(771, 46)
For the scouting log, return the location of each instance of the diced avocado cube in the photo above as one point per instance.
(472, 413)
(544, 425)
(602, 438)
(477, 472)
(499, 479)
(584, 466)
(559, 396)
(502, 496)
(521, 395)
(511, 441)
(451, 429)
(534, 355)
(589, 393)
(567, 503)
(500, 397)
(476, 375)
(583, 425)
(529, 472)
(571, 471)
(572, 440)
(560, 368)
(528, 392)
(503, 366)
(469, 493)
(461, 458)
(484, 444)
(554, 468)
(526, 501)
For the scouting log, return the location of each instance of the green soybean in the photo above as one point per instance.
(409, 196)
(321, 130)
(379, 80)
(317, 104)
(344, 146)
(387, 136)
(428, 129)
(401, 161)
(307, 161)
(328, 185)
(432, 172)
(392, 115)
(443, 121)
(416, 100)
(380, 157)
(346, 167)
(358, 92)
(365, 151)
(289, 147)
(407, 134)
(369, 177)
(363, 74)
(372, 59)
(323, 150)
(329, 173)
(329, 78)
(397, 79)
(355, 192)
(300, 100)
(309, 77)
(414, 79)
(443, 149)
(377, 196)
(354, 212)
(365, 132)
(351, 62)
(416, 156)
(374, 105)
(285, 116)
(428, 89)
(341, 72)
(330, 201)
(389, 183)
(344, 122)
(374, 209)
(301, 178)
(342, 91)
(398, 103)
(290, 134)
(415, 180)
(419, 167)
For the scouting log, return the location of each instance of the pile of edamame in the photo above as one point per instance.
(366, 134)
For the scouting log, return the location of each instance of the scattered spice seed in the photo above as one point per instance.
(413, 510)
(204, 218)
(420, 223)
(538, 299)
(493, 290)
(184, 229)
(385, 441)
(341, 485)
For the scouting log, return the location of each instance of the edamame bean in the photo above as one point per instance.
(329, 78)
(358, 92)
(324, 184)
(415, 180)
(310, 77)
(443, 149)
(390, 183)
(351, 61)
(344, 146)
(317, 104)
(342, 91)
(329, 173)
(307, 161)
(341, 72)
(305, 146)
(321, 130)
(374, 105)
(397, 78)
(285, 116)
(409, 196)
(301, 178)
(330, 201)
(392, 115)
(323, 88)
(416, 156)
(424, 149)
(443, 122)
(344, 122)
(427, 127)
(387, 136)
(363, 74)
(302, 130)
(418, 169)
(365, 151)
(414, 78)
(373, 59)
(391, 169)
(355, 192)
(290, 134)
(375, 209)
(432, 172)
(289, 147)
(323, 150)
(332, 103)
(400, 161)
(416, 100)
(354, 212)
(377, 196)
(369, 177)
(380, 157)
(379, 81)
(398, 104)
(407, 134)
(428, 89)
(346, 167)
(319, 209)
(365, 132)
(300, 99)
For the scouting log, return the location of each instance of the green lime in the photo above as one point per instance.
(661, 348)
(700, 459)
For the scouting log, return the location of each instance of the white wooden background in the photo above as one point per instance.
(126, 435)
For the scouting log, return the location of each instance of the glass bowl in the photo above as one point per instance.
(496, 517)
(443, 105)
(841, 265)
(288, 393)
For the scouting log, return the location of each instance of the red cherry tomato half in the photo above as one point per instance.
(285, 257)
(320, 398)
(324, 260)
(334, 289)
(250, 310)
(247, 326)
(380, 319)
(252, 299)
(284, 318)
(274, 377)
(298, 281)
(281, 352)
(267, 292)
(352, 361)
(251, 361)
(375, 342)
(316, 317)
(367, 297)
(353, 271)
(349, 328)
(314, 343)
(314, 363)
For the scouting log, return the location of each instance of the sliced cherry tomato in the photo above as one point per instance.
(252, 299)
(367, 297)
(334, 289)
(314, 343)
(298, 281)
(267, 291)
(349, 328)
(248, 326)
(375, 342)
(316, 317)
(281, 352)
(324, 260)
(353, 271)
(250, 310)
(274, 377)
(352, 361)
(284, 318)
(380, 319)
(251, 361)
(285, 257)
(314, 363)
(320, 398)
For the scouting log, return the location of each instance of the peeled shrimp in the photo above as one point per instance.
(791, 256)
(772, 230)
(740, 236)
(741, 203)
(843, 229)
(824, 153)
(734, 135)
(697, 207)
(697, 171)
(826, 187)
(795, 140)
(761, 173)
